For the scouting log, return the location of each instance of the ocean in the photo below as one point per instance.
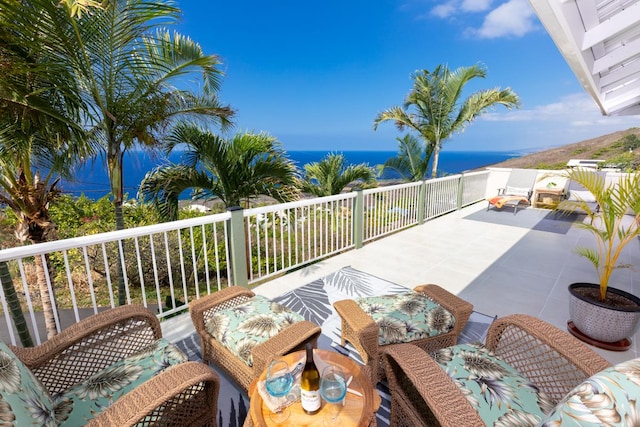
(91, 179)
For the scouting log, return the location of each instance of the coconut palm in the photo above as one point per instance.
(412, 161)
(235, 170)
(39, 141)
(135, 75)
(332, 174)
(434, 110)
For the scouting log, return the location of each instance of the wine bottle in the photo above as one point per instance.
(310, 385)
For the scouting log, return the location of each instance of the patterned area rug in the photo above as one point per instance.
(315, 302)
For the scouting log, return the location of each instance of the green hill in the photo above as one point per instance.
(620, 148)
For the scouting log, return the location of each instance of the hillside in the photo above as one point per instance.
(622, 147)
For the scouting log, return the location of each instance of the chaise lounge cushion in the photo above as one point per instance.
(84, 401)
(242, 327)
(498, 392)
(406, 317)
(23, 399)
(608, 398)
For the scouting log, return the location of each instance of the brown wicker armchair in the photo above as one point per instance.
(184, 394)
(423, 394)
(291, 338)
(362, 332)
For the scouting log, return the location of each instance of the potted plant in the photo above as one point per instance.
(604, 314)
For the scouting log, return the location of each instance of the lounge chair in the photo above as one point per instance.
(580, 200)
(524, 370)
(518, 190)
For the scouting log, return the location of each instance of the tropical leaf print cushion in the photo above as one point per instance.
(82, 402)
(23, 399)
(500, 395)
(406, 317)
(609, 398)
(246, 325)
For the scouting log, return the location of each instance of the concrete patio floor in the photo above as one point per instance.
(501, 262)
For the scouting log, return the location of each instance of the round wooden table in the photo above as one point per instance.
(357, 411)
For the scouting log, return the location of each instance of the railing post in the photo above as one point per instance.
(460, 190)
(238, 247)
(358, 219)
(422, 198)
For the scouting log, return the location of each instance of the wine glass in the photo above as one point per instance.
(278, 384)
(333, 388)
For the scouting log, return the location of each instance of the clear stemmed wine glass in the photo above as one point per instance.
(333, 388)
(278, 383)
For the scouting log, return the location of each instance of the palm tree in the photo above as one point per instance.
(412, 161)
(134, 74)
(235, 170)
(433, 108)
(332, 174)
(39, 140)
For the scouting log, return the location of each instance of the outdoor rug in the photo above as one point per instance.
(534, 219)
(315, 302)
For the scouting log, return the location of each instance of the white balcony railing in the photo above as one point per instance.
(164, 266)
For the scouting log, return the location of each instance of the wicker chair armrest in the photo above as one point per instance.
(185, 394)
(422, 390)
(201, 307)
(552, 359)
(293, 337)
(106, 325)
(460, 308)
(362, 324)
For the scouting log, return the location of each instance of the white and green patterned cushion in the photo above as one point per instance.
(82, 402)
(246, 325)
(498, 392)
(23, 399)
(406, 317)
(609, 398)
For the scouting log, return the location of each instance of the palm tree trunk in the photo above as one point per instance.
(14, 306)
(436, 155)
(122, 296)
(47, 299)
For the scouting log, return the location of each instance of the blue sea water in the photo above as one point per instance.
(91, 179)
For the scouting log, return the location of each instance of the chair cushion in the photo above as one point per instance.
(242, 327)
(23, 399)
(84, 401)
(584, 196)
(406, 317)
(497, 391)
(517, 191)
(611, 398)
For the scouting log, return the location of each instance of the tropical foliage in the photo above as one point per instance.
(412, 161)
(614, 222)
(235, 170)
(433, 108)
(332, 174)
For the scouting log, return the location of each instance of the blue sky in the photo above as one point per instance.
(315, 74)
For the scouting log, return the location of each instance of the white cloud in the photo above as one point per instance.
(475, 5)
(444, 10)
(513, 18)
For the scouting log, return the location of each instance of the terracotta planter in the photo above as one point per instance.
(601, 321)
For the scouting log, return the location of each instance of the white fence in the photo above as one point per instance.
(164, 266)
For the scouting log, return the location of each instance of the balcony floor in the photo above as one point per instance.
(502, 263)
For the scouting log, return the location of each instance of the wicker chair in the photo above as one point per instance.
(423, 394)
(362, 332)
(184, 394)
(291, 338)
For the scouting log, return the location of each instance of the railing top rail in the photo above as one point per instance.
(391, 187)
(111, 236)
(298, 204)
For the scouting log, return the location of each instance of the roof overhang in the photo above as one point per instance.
(600, 40)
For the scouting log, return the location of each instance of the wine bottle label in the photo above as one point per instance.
(310, 400)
